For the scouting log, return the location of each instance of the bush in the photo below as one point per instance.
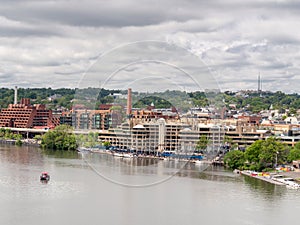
(18, 143)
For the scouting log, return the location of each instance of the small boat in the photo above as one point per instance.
(84, 150)
(290, 182)
(198, 162)
(45, 176)
(277, 178)
(128, 155)
(237, 171)
(117, 154)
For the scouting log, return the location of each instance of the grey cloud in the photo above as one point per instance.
(236, 39)
(93, 13)
(23, 32)
(127, 13)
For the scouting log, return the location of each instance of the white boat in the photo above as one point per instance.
(118, 154)
(237, 171)
(83, 149)
(128, 155)
(198, 162)
(291, 182)
(288, 181)
(277, 178)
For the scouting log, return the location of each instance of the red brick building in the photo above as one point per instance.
(25, 115)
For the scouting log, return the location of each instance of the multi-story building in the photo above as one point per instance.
(84, 119)
(152, 137)
(25, 115)
(157, 135)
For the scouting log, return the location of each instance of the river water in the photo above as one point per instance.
(100, 189)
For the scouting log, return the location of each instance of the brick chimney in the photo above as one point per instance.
(129, 102)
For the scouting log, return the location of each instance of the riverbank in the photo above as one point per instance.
(179, 158)
(261, 176)
(288, 179)
(30, 142)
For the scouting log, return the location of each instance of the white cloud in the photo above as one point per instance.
(52, 43)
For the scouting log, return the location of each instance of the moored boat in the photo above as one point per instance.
(83, 149)
(198, 162)
(291, 182)
(277, 178)
(128, 155)
(117, 154)
(288, 181)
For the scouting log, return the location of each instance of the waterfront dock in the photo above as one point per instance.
(267, 178)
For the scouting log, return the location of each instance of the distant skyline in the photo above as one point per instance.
(54, 43)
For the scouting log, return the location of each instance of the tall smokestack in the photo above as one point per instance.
(16, 95)
(129, 102)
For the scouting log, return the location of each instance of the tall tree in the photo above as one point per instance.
(266, 153)
(235, 159)
(294, 153)
(202, 143)
(61, 138)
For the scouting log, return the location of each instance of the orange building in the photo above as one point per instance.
(25, 115)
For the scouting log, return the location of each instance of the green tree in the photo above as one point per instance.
(61, 138)
(267, 153)
(273, 153)
(253, 151)
(202, 143)
(106, 144)
(92, 139)
(234, 159)
(228, 142)
(294, 153)
(37, 137)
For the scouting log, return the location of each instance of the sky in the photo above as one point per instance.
(151, 44)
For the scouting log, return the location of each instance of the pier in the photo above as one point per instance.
(264, 178)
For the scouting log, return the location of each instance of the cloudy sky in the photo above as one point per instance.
(57, 43)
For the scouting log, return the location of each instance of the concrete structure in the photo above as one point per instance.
(152, 137)
(161, 134)
(181, 136)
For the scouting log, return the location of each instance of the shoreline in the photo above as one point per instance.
(263, 178)
(140, 156)
(28, 142)
(289, 179)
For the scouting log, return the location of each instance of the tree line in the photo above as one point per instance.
(262, 155)
(63, 138)
(251, 101)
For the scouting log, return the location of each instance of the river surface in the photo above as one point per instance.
(101, 189)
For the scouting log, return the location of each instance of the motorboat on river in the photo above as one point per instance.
(45, 176)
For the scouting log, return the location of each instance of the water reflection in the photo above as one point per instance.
(76, 195)
(264, 189)
(24, 155)
(61, 154)
(126, 171)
